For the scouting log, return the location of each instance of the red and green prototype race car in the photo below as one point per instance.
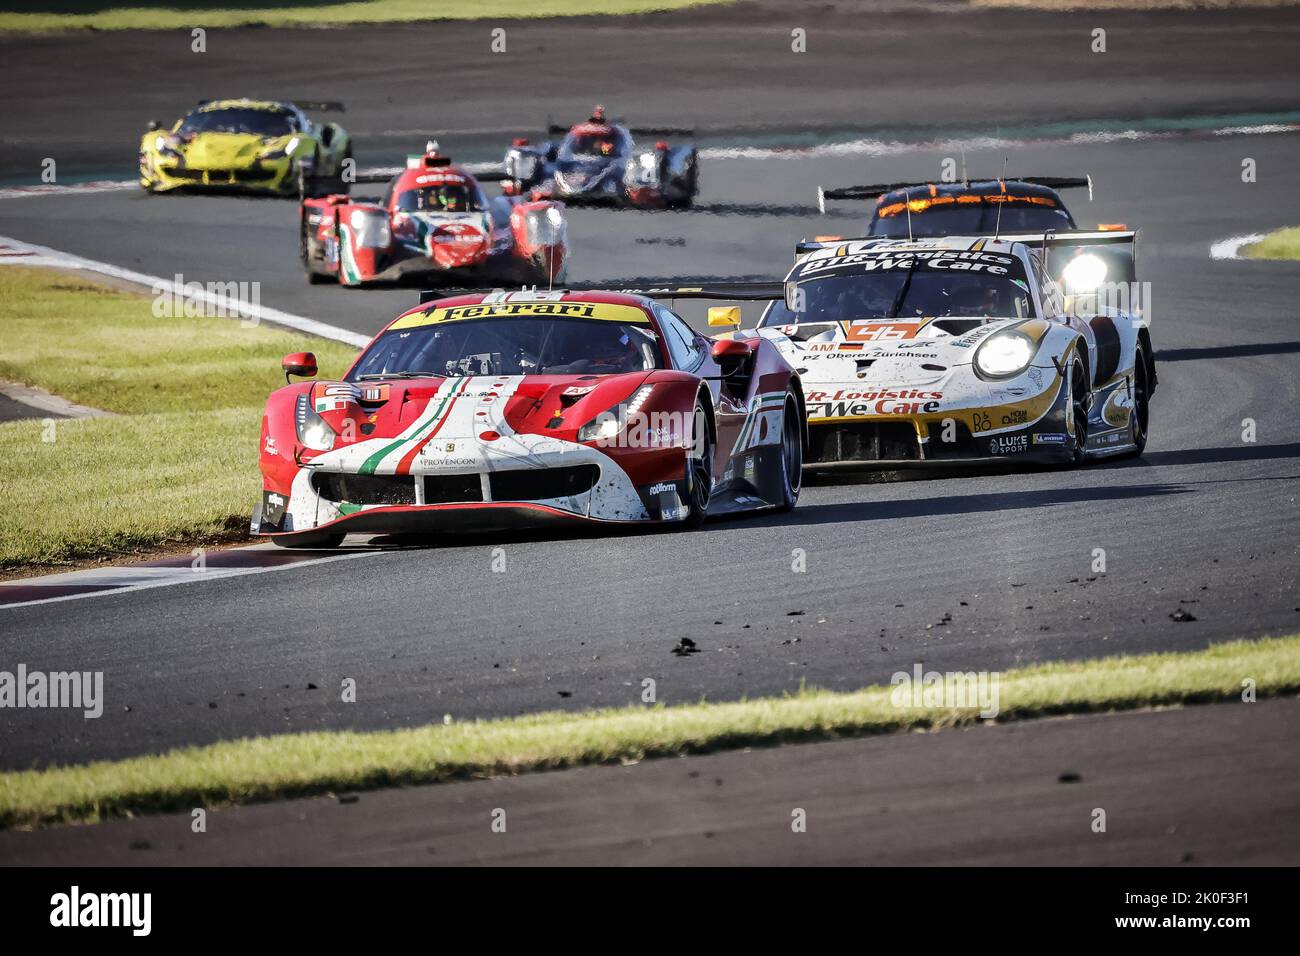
(514, 409)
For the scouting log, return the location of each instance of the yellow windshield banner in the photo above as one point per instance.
(599, 311)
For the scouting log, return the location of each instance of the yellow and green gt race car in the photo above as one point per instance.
(247, 146)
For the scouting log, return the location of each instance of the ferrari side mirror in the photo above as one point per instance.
(298, 363)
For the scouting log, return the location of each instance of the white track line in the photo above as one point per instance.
(17, 252)
(125, 579)
(1231, 248)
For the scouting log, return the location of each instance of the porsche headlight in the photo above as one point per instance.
(313, 431)
(609, 424)
(160, 143)
(1005, 354)
(1084, 273)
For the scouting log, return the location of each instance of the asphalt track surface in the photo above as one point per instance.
(984, 795)
(960, 572)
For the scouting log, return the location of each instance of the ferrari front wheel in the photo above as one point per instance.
(699, 467)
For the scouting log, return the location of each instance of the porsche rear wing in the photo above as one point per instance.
(722, 291)
(1048, 240)
(880, 189)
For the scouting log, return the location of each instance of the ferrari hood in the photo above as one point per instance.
(228, 150)
(387, 427)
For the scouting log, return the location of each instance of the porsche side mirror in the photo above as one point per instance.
(298, 363)
(727, 316)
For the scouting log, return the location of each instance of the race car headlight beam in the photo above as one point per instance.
(313, 431)
(1084, 273)
(1004, 354)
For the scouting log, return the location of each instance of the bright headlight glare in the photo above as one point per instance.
(609, 424)
(1004, 354)
(1084, 273)
(290, 146)
(159, 143)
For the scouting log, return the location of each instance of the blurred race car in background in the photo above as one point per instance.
(516, 409)
(952, 349)
(598, 162)
(247, 145)
(433, 223)
(1009, 208)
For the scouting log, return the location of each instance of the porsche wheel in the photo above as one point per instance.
(1080, 400)
(791, 453)
(1140, 416)
(699, 467)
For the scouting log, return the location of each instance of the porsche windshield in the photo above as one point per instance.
(510, 346)
(969, 220)
(264, 123)
(908, 288)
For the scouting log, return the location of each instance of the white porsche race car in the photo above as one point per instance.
(951, 349)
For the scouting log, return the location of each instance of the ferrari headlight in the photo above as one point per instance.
(1004, 354)
(609, 424)
(1084, 273)
(313, 431)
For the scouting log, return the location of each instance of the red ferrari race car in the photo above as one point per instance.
(523, 408)
(434, 222)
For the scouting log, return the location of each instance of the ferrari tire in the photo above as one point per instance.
(791, 453)
(699, 467)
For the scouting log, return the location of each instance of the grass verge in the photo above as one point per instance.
(43, 15)
(1280, 244)
(266, 768)
(179, 464)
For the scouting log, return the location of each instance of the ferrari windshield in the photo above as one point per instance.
(969, 220)
(264, 123)
(449, 197)
(910, 288)
(510, 346)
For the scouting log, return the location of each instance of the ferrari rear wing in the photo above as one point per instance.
(880, 189)
(319, 106)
